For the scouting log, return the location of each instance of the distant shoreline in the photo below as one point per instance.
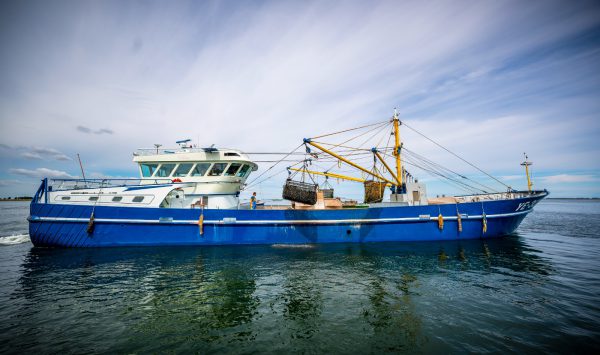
(575, 198)
(27, 199)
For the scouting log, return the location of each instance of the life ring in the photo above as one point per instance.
(176, 180)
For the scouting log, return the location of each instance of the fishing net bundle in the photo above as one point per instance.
(374, 191)
(299, 191)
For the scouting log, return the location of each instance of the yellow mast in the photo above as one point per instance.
(526, 164)
(396, 152)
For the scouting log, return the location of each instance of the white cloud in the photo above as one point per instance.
(88, 130)
(43, 153)
(566, 178)
(9, 182)
(99, 175)
(31, 155)
(42, 173)
(512, 177)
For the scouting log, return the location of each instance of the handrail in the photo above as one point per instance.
(77, 184)
(179, 150)
(40, 190)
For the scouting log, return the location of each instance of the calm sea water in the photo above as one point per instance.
(538, 290)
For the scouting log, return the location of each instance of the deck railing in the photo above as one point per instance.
(78, 184)
(179, 150)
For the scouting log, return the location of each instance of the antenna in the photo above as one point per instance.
(526, 164)
(156, 145)
(81, 166)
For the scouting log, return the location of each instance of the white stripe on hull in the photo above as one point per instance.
(283, 222)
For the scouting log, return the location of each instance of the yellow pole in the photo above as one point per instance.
(325, 150)
(386, 166)
(526, 164)
(331, 175)
(397, 151)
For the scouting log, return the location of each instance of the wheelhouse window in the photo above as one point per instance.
(148, 169)
(233, 168)
(217, 169)
(164, 170)
(243, 171)
(200, 169)
(183, 170)
(138, 199)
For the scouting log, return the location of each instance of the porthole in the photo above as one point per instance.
(93, 198)
(117, 198)
(138, 199)
(65, 198)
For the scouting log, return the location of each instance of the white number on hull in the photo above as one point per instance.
(526, 205)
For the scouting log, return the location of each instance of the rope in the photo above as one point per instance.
(270, 176)
(381, 125)
(348, 130)
(439, 170)
(434, 164)
(343, 146)
(462, 185)
(272, 166)
(449, 151)
(374, 135)
(91, 224)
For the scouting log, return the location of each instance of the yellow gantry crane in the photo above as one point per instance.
(397, 178)
(331, 175)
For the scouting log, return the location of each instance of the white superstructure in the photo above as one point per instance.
(184, 177)
(214, 176)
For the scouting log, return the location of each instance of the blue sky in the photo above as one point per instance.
(489, 80)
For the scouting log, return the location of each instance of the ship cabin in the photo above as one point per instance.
(209, 177)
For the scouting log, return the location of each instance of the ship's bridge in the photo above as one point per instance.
(218, 173)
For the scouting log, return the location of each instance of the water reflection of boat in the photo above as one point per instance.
(224, 294)
(190, 196)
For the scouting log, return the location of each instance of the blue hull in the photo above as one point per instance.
(55, 225)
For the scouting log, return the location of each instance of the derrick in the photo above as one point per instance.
(375, 156)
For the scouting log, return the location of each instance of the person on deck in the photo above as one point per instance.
(253, 201)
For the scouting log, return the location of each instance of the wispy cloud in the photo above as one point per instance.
(42, 153)
(99, 175)
(41, 172)
(88, 130)
(512, 177)
(9, 182)
(31, 155)
(566, 178)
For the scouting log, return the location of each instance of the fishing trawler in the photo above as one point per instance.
(191, 196)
